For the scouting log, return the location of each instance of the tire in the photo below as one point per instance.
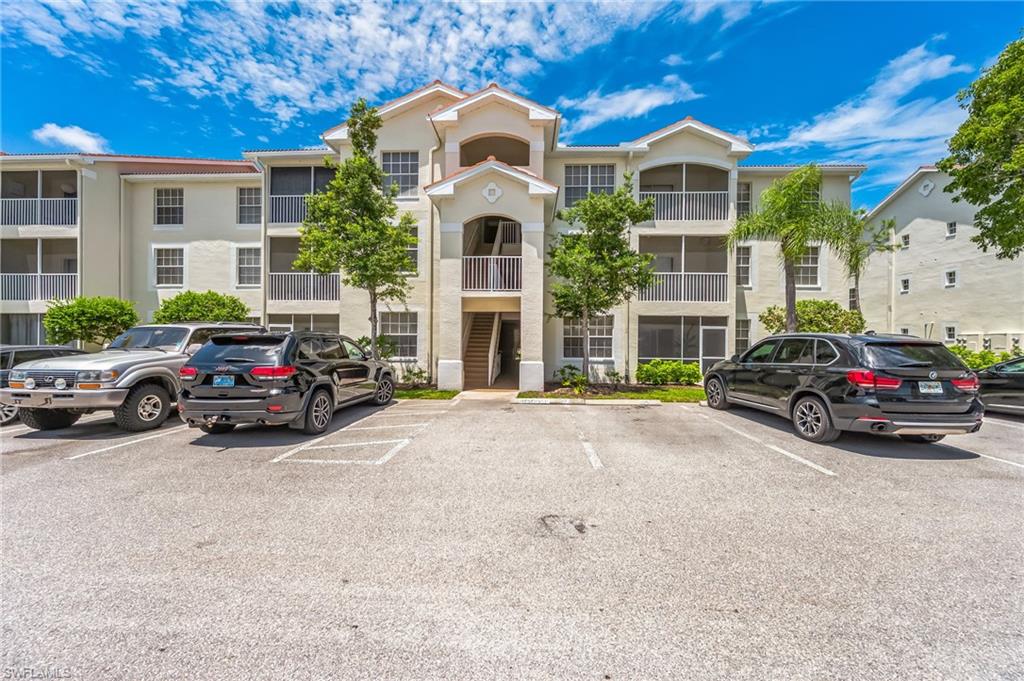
(812, 422)
(922, 439)
(217, 428)
(384, 391)
(8, 413)
(48, 419)
(319, 412)
(146, 407)
(715, 391)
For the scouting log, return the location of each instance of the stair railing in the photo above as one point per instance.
(492, 366)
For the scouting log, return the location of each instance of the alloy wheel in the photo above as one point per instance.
(809, 418)
(150, 407)
(385, 389)
(714, 391)
(321, 411)
(7, 413)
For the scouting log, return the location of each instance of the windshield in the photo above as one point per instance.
(896, 355)
(163, 337)
(228, 349)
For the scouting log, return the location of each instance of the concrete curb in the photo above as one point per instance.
(580, 401)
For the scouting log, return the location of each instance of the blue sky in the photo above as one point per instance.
(870, 82)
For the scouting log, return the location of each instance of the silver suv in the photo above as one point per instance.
(136, 377)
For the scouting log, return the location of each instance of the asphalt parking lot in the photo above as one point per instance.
(481, 539)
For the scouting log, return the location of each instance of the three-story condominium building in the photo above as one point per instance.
(485, 175)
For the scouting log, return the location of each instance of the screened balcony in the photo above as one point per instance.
(691, 269)
(288, 189)
(687, 191)
(38, 269)
(39, 197)
(492, 258)
(284, 283)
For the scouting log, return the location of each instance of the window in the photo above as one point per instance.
(170, 266)
(600, 338)
(950, 230)
(824, 353)
(581, 180)
(807, 267)
(950, 278)
(413, 252)
(331, 349)
(853, 302)
(660, 338)
(249, 266)
(949, 333)
(813, 195)
(904, 330)
(249, 205)
(400, 328)
(761, 352)
(742, 199)
(403, 169)
(169, 206)
(905, 285)
(795, 351)
(742, 335)
(309, 348)
(743, 266)
(354, 351)
(905, 240)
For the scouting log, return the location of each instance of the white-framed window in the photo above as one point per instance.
(743, 266)
(414, 251)
(248, 266)
(581, 180)
(250, 205)
(813, 195)
(400, 328)
(743, 199)
(904, 330)
(601, 329)
(853, 302)
(950, 230)
(949, 332)
(742, 335)
(950, 278)
(169, 206)
(905, 240)
(806, 269)
(169, 266)
(904, 284)
(403, 169)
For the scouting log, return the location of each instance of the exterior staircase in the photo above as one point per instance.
(475, 361)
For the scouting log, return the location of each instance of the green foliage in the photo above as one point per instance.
(386, 348)
(853, 241)
(424, 394)
(814, 316)
(209, 306)
(415, 377)
(97, 319)
(613, 377)
(663, 371)
(979, 359)
(355, 226)
(986, 155)
(570, 376)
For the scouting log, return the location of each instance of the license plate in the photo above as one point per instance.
(223, 381)
(930, 387)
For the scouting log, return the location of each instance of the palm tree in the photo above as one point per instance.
(853, 242)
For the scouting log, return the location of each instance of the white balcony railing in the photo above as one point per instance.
(689, 205)
(38, 286)
(59, 212)
(303, 286)
(687, 287)
(288, 208)
(492, 273)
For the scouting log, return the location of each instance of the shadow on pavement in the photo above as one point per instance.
(98, 430)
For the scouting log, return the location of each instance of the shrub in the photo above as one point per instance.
(613, 377)
(662, 371)
(386, 347)
(208, 306)
(415, 377)
(96, 319)
(814, 316)
(570, 376)
(979, 359)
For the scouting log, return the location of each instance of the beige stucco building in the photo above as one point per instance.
(484, 174)
(936, 282)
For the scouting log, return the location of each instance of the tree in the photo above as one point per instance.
(791, 213)
(594, 268)
(853, 242)
(355, 226)
(986, 155)
(96, 319)
(210, 306)
(814, 316)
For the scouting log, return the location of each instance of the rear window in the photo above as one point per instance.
(895, 355)
(262, 349)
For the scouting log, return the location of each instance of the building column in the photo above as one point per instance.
(531, 309)
(449, 282)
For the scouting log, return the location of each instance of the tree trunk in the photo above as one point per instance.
(790, 270)
(373, 323)
(856, 292)
(585, 320)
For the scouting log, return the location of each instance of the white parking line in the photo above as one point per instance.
(125, 444)
(780, 450)
(1000, 422)
(406, 413)
(397, 425)
(357, 444)
(588, 449)
(987, 456)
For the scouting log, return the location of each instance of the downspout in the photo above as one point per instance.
(629, 163)
(434, 244)
(122, 283)
(264, 240)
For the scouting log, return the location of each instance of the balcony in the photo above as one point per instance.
(59, 212)
(687, 191)
(498, 273)
(702, 205)
(33, 286)
(303, 286)
(687, 287)
(288, 209)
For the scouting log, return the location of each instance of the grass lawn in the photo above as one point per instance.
(665, 393)
(424, 394)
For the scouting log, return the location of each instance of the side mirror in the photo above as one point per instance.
(734, 359)
(193, 349)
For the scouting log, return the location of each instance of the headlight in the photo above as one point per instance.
(18, 375)
(87, 376)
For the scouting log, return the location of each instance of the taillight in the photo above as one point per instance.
(270, 373)
(862, 378)
(967, 385)
(187, 373)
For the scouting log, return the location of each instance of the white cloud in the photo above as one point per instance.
(715, 56)
(263, 138)
(675, 60)
(70, 138)
(597, 108)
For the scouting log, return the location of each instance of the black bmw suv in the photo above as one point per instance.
(298, 378)
(828, 383)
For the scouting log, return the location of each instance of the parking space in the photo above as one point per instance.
(468, 539)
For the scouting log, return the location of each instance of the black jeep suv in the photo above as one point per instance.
(298, 378)
(827, 383)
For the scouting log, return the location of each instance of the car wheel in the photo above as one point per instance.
(384, 392)
(48, 419)
(8, 412)
(922, 439)
(812, 422)
(145, 408)
(319, 412)
(217, 428)
(715, 391)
